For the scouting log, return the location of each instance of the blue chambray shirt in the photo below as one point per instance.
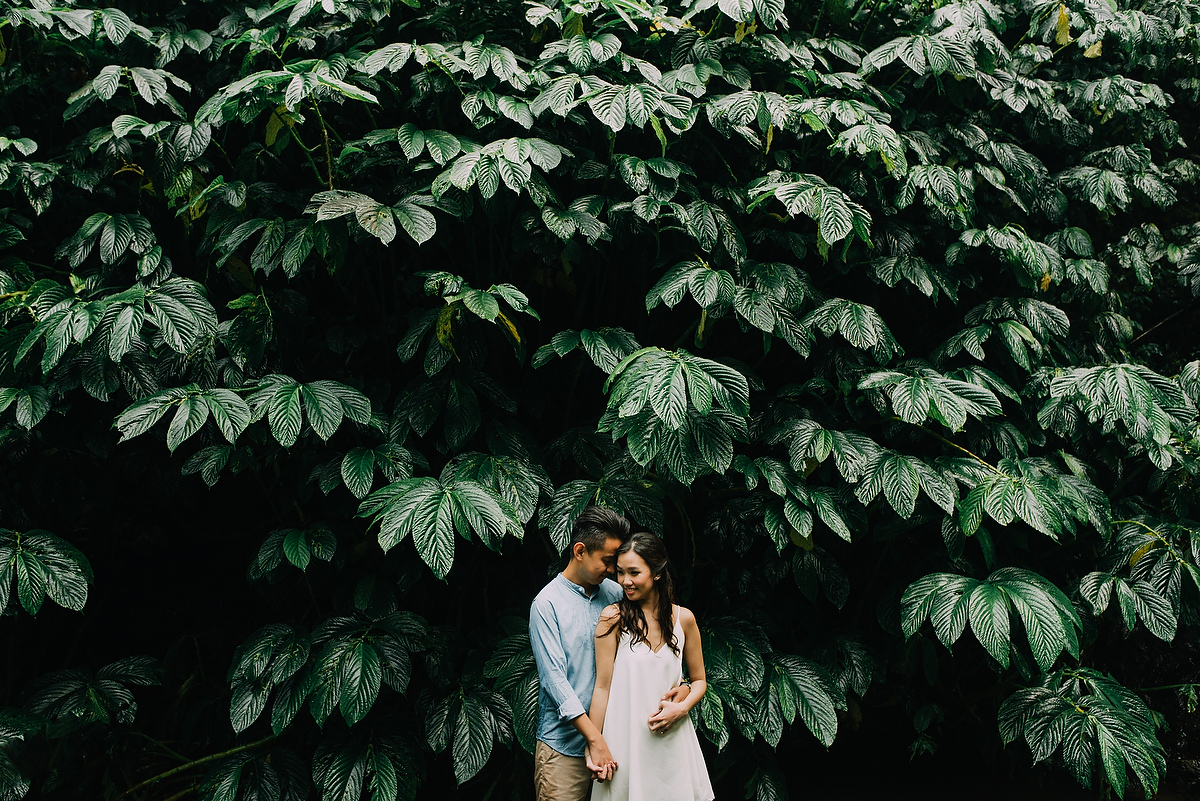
(562, 631)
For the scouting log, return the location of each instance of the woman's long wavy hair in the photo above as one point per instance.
(629, 614)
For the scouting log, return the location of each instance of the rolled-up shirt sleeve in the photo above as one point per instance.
(552, 660)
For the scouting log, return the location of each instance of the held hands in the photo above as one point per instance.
(599, 760)
(670, 709)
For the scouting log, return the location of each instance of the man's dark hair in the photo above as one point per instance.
(595, 526)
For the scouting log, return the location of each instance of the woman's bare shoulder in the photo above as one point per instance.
(609, 622)
(686, 618)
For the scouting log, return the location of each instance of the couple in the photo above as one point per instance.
(606, 653)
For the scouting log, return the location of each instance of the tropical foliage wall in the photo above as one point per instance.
(322, 319)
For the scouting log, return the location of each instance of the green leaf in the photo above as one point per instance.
(322, 407)
(181, 312)
(442, 146)
(425, 508)
(191, 414)
(66, 572)
(737, 10)
(472, 739)
(231, 413)
(360, 677)
(379, 222)
(295, 548)
(31, 581)
(284, 414)
(358, 469)
(1048, 617)
(482, 304)
(221, 784)
(32, 405)
(755, 308)
(989, 620)
(246, 703)
(411, 139)
(416, 221)
(812, 689)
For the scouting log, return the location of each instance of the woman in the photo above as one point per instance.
(641, 643)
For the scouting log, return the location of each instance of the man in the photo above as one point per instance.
(562, 628)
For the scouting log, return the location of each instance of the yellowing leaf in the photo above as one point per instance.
(275, 124)
(660, 133)
(196, 210)
(803, 542)
(1093, 50)
(443, 328)
(241, 273)
(701, 329)
(509, 328)
(1045, 282)
(1063, 35)
(1140, 552)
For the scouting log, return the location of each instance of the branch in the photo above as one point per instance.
(195, 763)
(1162, 322)
(181, 793)
(307, 150)
(955, 445)
(325, 133)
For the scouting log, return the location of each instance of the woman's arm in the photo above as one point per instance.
(693, 657)
(607, 635)
(606, 654)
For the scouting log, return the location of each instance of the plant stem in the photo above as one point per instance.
(328, 154)
(955, 445)
(1162, 322)
(194, 763)
(167, 749)
(817, 24)
(1139, 523)
(307, 153)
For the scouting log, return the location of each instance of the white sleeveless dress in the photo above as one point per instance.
(651, 767)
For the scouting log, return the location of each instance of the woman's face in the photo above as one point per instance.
(634, 576)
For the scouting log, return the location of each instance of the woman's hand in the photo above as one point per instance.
(668, 713)
(599, 760)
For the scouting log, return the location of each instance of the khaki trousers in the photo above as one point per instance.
(558, 777)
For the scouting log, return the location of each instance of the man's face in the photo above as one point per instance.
(600, 563)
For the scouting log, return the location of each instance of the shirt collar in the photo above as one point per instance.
(578, 589)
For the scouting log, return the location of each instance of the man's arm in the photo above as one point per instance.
(598, 758)
(671, 711)
(551, 659)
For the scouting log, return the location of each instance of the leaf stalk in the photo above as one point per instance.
(193, 764)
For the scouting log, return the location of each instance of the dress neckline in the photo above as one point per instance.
(674, 625)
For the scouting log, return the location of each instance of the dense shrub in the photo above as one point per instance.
(872, 309)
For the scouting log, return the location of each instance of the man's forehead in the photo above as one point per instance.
(611, 545)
